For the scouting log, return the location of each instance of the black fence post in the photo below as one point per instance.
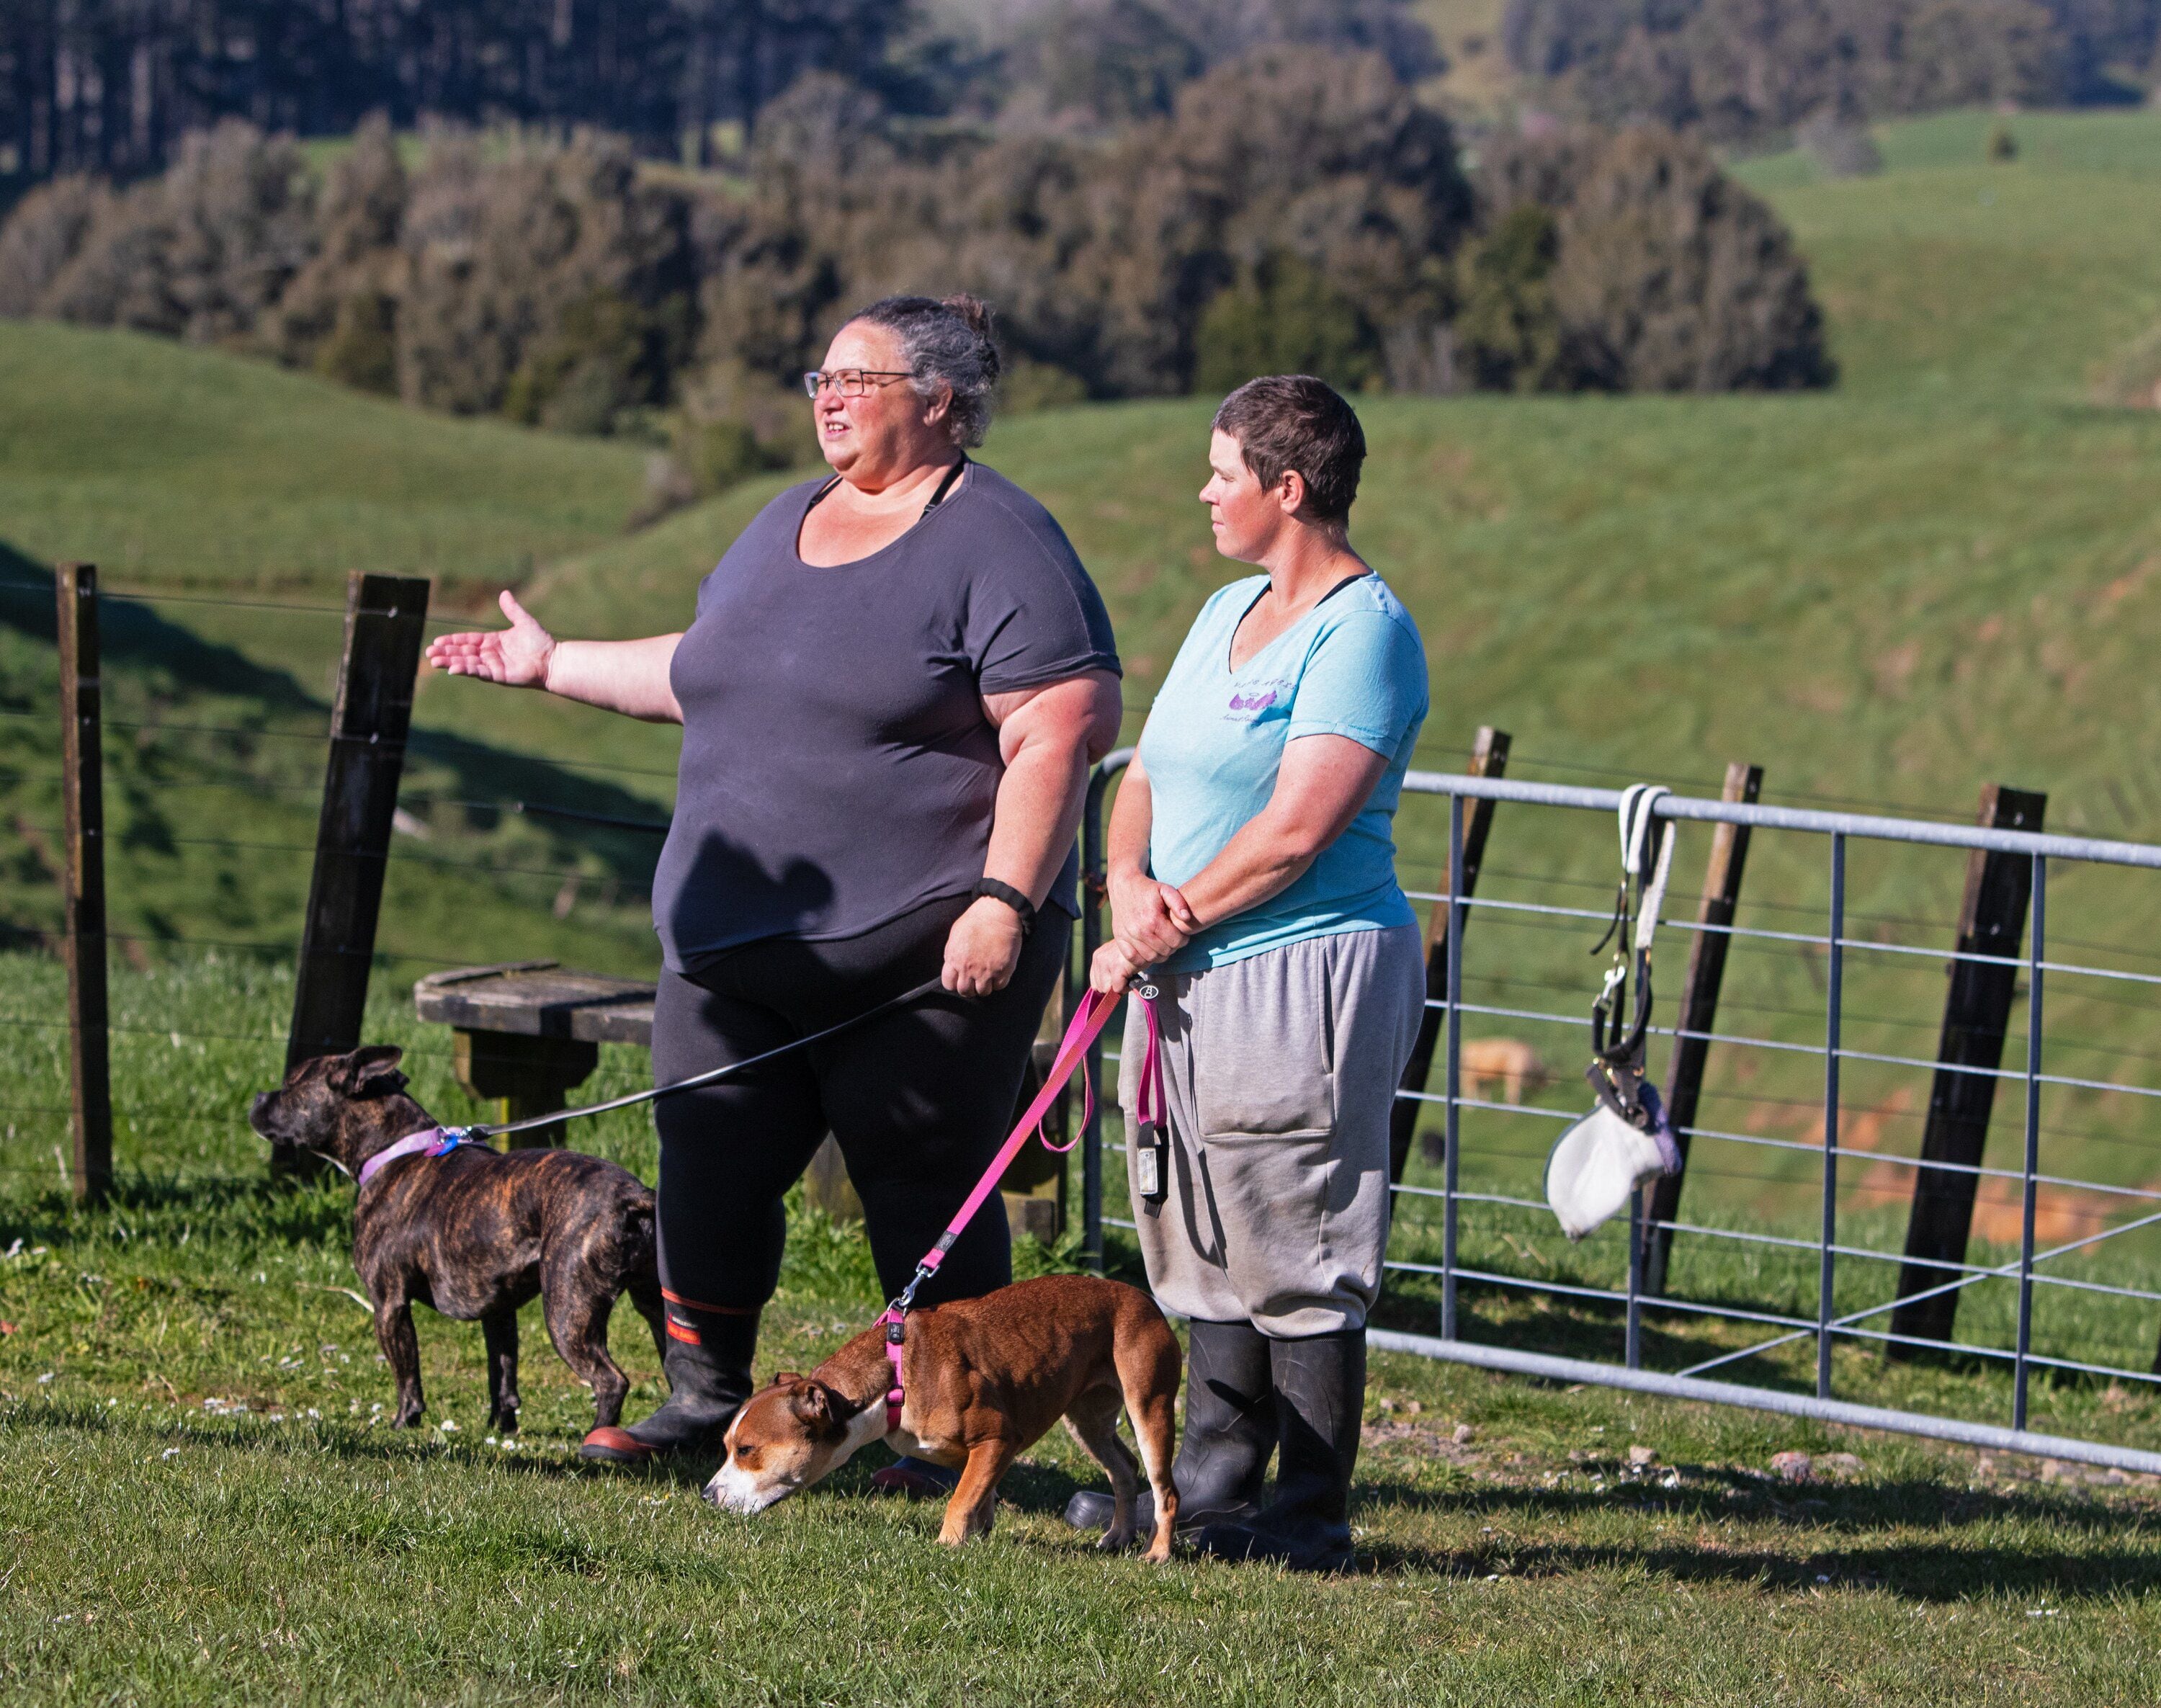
(1698, 1010)
(385, 619)
(1489, 757)
(1976, 1011)
(82, 768)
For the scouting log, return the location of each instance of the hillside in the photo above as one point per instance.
(183, 467)
(202, 477)
(1939, 574)
(1944, 573)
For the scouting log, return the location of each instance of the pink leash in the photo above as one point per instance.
(1088, 1022)
(1148, 1107)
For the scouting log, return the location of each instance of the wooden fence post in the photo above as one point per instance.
(82, 768)
(385, 619)
(1489, 757)
(1976, 1011)
(1699, 1009)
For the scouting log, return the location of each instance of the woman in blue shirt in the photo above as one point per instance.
(1252, 874)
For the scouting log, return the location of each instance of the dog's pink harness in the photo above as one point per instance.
(1088, 1022)
(430, 1140)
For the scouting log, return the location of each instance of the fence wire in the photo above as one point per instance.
(1902, 939)
(2090, 1213)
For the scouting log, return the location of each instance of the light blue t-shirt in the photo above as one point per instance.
(1352, 666)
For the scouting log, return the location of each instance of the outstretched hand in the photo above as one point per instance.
(516, 657)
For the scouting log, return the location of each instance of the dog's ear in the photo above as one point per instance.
(786, 1378)
(369, 1071)
(812, 1407)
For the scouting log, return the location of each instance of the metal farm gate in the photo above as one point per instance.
(1632, 1277)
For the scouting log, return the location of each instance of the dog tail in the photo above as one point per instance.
(641, 1247)
(640, 1270)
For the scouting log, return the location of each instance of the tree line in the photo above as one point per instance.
(1739, 68)
(1293, 209)
(112, 85)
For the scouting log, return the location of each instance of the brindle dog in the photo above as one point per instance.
(474, 1233)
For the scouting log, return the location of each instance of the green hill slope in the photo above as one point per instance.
(1944, 573)
(160, 462)
(189, 471)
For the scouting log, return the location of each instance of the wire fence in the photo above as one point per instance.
(1485, 1187)
(245, 794)
(1466, 1215)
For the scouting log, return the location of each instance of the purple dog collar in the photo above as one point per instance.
(434, 1141)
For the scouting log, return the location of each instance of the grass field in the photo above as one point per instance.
(1941, 574)
(201, 1500)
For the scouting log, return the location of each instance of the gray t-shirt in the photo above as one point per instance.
(837, 769)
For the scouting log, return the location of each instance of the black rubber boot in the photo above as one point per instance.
(708, 1365)
(1320, 1401)
(1230, 1431)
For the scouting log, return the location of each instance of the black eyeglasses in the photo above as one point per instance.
(848, 381)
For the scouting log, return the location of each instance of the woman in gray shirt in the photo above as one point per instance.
(891, 694)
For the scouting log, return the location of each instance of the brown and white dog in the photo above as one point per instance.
(984, 1380)
(474, 1233)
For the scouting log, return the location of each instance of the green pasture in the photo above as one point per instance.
(201, 1500)
(1945, 572)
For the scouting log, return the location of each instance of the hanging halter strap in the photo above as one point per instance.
(1646, 859)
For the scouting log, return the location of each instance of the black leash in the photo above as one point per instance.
(498, 1129)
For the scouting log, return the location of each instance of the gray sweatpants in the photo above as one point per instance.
(1279, 1073)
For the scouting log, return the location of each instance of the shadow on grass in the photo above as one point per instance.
(1913, 1571)
(173, 663)
(1946, 1567)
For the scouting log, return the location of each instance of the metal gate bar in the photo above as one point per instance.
(1768, 1399)
(1828, 1325)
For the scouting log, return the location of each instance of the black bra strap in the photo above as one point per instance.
(945, 485)
(1339, 586)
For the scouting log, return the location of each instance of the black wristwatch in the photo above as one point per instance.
(1011, 898)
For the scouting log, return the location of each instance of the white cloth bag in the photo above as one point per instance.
(1601, 1160)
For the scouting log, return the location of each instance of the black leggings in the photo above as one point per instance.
(920, 1099)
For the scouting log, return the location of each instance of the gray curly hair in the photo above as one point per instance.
(945, 342)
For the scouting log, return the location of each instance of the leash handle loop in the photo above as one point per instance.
(1149, 1107)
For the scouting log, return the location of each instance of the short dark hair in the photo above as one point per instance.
(944, 340)
(1285, 421)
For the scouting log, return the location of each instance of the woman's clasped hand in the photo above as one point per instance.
(1150, 922)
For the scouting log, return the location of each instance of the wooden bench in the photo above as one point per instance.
(526, 1033)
